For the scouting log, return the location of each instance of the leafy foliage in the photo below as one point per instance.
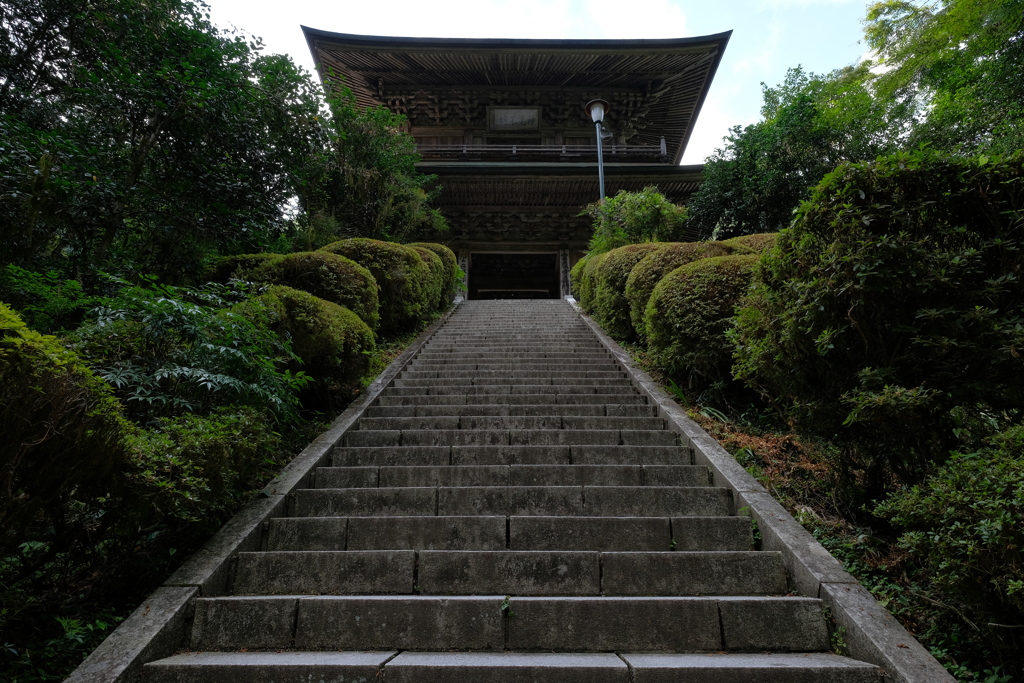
(757, 244)
(47, 302)
(62, 427)
(609, 306)
(238, 267)
(648, 272)
(811, 123)
(401, 274)
(168, 351)
(964, 523)
(634, 217)
(894, 299)
(329, 276)
(451, 269)
(689, 313)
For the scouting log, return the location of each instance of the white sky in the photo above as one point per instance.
(769, 36)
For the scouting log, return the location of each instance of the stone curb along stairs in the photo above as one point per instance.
(512, 501)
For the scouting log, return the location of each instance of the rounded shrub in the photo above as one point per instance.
(330, 277)
(451, 269)
(611, 310)
(588, 281)
(437, 277)
(332, 341)
(963, 522)
(403, 277)
(648, 272)
(689, 313)
(894, 298)
(757, 244)
(240, 267)
(62, 428)
(576, 276)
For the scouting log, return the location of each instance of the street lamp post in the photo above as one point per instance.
(596, 109)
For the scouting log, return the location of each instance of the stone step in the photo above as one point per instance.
(594, 409)
(369, 476)
(496, 366)
(510, 422)
(572, 501)
(496, 623)
(504, 390)
(511, 533)
(618, 381)
(576, 454)
(512, 572)
(459, 373)
(550, 398)
(514, 437)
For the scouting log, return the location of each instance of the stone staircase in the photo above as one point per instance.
(510, 509)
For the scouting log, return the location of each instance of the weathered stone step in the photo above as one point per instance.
(583, 372)
(503, 365)
(492, 623)
(514, 437)
(573, 501)
(577, 454)
(503, 390)
(510, 422)
(512, 533)
(370, 476)
(616, 381)
(594, 409)
(513, 572)
(405, 397)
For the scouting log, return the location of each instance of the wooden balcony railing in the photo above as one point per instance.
(612, 153)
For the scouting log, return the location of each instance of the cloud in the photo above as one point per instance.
(637, 19)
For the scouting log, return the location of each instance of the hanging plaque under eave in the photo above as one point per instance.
(513, 118)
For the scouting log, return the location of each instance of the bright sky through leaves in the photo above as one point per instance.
(769, 36)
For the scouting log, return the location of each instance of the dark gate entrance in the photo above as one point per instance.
(513, 276)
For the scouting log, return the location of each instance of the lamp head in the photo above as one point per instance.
(596, 109)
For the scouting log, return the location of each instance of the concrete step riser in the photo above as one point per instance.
(607, 534)
(510, 455)
(513, 437)
(518, 422)
(497, 410)
(560, 624)
(572, 501)
(504, 390)
(510, 475)
(511, 399)
(516, 572)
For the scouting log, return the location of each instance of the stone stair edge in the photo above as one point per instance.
(150, 634)
(871, 633)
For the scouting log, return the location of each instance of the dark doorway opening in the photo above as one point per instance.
(513, 276)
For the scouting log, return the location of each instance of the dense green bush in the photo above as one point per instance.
(331, 341)
(588, 281)
(241, 267)
(451, 271)
(611, 309)
(436, 283)
(964, 523)
(758, 244)
(168, 351)
(647, 273)
(403, 278)
(635, 217)
(689, 313)
(576, 276)
(62, 428)
(198, 468)
(329, 276)
(894, 298)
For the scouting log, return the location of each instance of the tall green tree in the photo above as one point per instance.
(136, 135)
(810, 124)
(960, 60)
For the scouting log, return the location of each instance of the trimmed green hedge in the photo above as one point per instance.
(330, 277)
(691, 310)
(437, 277)
(890, 314)
(402, 275)
(62, 428)
(451, 269)
(576, 276)
(646, 274)
(588, 281)
(332, 341)
(757, 244)
(611, 310)
(241, 267)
